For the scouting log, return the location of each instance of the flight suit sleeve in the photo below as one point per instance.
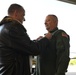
(62, 46)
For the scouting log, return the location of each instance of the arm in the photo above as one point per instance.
(22, 43)
(62, 47)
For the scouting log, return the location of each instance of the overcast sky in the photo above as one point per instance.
(37, 10)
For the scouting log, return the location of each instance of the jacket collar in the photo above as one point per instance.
(54, 30)
(7, 19)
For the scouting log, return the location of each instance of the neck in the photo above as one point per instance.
(54, 30)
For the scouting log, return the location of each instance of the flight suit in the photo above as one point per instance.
(54, 59)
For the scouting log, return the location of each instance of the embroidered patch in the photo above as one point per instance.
(64, 35)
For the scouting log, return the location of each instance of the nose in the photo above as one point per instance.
(45, 23)
(24, 19)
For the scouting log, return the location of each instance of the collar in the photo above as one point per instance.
(54, 30)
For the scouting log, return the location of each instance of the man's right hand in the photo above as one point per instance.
(48, 35)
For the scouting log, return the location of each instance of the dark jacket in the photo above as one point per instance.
(15, 48)
(54, 59)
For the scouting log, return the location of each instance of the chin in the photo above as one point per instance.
(47, 29)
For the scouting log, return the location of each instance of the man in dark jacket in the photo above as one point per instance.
(54, 59)
(15, 44)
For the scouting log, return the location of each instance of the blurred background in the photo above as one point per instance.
(37, 10)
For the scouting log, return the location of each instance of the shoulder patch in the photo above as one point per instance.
(64, 35)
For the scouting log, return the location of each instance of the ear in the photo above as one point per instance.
(15, 14)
